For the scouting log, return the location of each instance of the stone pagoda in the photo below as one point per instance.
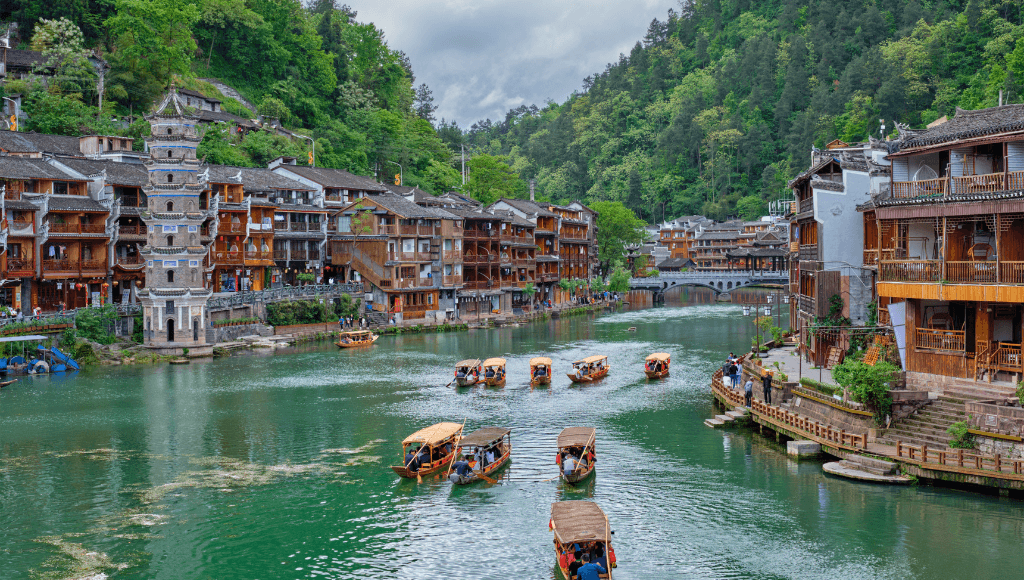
(174, 298)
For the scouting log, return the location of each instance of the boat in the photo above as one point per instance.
(578, 442)
(438, 443)
(494, 372)
(583, 524)
(5, 383)
(468, 372)
(540, 371)
(656, 365)
(589, 369)
(354, 338)
(495, 439)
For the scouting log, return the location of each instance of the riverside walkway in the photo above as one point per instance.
(950, 465)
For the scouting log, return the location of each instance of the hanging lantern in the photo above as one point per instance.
(769, 299)
(78, 286)
(746, 310)
(115, 282)
(785, 298)
(767, 310)
(104, 285)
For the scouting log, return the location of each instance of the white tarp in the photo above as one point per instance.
(898, 315)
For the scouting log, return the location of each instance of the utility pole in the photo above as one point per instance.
(463, 165)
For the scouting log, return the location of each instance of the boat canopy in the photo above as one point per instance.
(484, 437)
(469, 362)
(579, 521)
(433, 434)
(24, 338)
(575, 436)
(591, 359)
(540, 361)
(355, 333)
(659, 356)
(494, 362)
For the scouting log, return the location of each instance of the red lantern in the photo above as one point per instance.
(78, 286)
(105, 285)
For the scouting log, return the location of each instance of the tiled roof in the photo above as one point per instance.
(407, 209)
(19, 142)
(224, 117)
(198, 94)
(129, 174)
(25, 168)
(672, 263)
(254, 179)
(20, 204)
(23, 58)
(335, 178)
(73, 203)
(814, 169)
(968, 124)
(709, 235)
(528, 207)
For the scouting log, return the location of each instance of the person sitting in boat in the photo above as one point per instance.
(490, 456)
(478, 454)
(569, 464)
(412, 461)
(589, 570)
(461, 469)
(489, 373)
(597, 556)
(576, 560)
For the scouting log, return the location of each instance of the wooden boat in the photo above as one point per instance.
(583, 523)
(540, 371)
(495, 439)
(589, 369)
(468, 372)
(5, 383)
(656, 365)
(354, 338)
(438, 444)
(494, 372)
(579, 443)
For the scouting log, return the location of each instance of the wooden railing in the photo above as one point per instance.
(938, 339)
(131, 230)
(791, 421)
(258, 255)
(451, 280)
(21, 224)
(20, 264)
(93, 264)
(1011, 272)
(986, 183)
(805, 303)
(871, 257)
(56, 228)
(409, 256)
(1015, 180)
(959, 458)
(910, 271)
(912, 189)
(977, 272)
(227, 257)
(280, 254)
(231, 228)
(1004, 356)
(808, 252)
(64, 265)
(806, 205)
(130, 260)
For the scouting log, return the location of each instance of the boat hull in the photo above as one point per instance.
(439, 465)
(495, 382)
(656, 374)
(356, 344)
(578, 476)
(492, 468)
(545, 380)
(589, 378)
(466, 381)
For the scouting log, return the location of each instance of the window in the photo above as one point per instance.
(170, 205)
(170, 276)
(168, 130)
(170, 240)
(60, 187)
(168, 152)
(345, 223)
(170, 178)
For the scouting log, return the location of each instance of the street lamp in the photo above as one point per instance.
(401, 172)
(16, 111)
(313, 145)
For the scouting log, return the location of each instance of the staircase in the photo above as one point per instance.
(928, 425)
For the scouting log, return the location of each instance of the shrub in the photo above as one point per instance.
(868, 384)
(823, 388)
(962, 439)
(1020, 393)
(296, 312)
(97, 324)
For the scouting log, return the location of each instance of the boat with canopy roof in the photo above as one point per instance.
(581, 526)
(540, 371)
(589, 369)
(468, 372)
(656, 365)
(576, 453)
(429, 450)
(494, 372)
(477, 445)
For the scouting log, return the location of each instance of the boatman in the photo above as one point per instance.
(569, 464)
(589, 570)
(462, 469)
(411, 462)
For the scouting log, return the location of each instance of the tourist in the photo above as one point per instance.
(575, 564)
(734, 374)
(598, 557)
(748, 390)
(569, 464)
(341, 323)
(461, 469)
(766, 383)
(589, 570)
(726, 374)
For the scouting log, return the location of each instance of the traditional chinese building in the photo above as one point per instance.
(175, 296)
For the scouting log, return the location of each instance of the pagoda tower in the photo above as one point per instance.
(174, 298)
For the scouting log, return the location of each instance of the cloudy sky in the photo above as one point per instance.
(483, 57)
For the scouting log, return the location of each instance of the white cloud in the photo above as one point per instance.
(482, 57)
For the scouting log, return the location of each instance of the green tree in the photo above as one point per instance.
(751, 207)
(491, 178)
(63, 47)
(617, 228)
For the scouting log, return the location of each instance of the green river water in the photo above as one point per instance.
(266, 466)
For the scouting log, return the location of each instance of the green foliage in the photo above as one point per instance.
(306, 277)
(346, 306)
(868, 384)
(529, 290)
(617, 228)
(1020, 393)
(619, 280)
(237, 321)
(491, 178)
(962, 439)
(824, 388)
(97, 324)
(137, 329)
(598, 285)
(297, 312)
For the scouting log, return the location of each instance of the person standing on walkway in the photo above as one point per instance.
(734, 374)
(766, 384)
(727, 373)
(748, 390)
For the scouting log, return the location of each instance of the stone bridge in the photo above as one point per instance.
(719, 281)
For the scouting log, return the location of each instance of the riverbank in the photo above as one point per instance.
(847, 431)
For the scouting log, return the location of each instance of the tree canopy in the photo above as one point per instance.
(617, 228)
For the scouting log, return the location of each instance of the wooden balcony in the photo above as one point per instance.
(452, 255)
(938, 339)
(129, 260)
(58, 228)
(25, 265)
(870, 257)
(479, 259)
(808, 252)
(23, 227)
(451, 280)
(987, 183)
(280, 254)
(131, 232)
(971, 272)
(910, 271)
(73, 266)
(409, 256)
(925, 187)
(406, 283)
(475, 234)
(258, 255)
(807, 205)
(93, 265)
(222, 258)
(480, 285)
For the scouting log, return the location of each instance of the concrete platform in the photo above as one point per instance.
(803, 449)
(853, 471)
(714, 423)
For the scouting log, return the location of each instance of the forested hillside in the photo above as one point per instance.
(314, 66)
(721, 102)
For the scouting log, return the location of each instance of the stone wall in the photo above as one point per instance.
(831, 414)
(997, 418)
(232, 333)
(907, 402)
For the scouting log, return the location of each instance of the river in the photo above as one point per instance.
(276, 466)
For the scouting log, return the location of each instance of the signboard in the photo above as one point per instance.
(96, 299)
(170, 263)
(170, 229)
(193, 229)
(193, 263)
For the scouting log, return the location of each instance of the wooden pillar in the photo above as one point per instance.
(999, 245)
(945, 247)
